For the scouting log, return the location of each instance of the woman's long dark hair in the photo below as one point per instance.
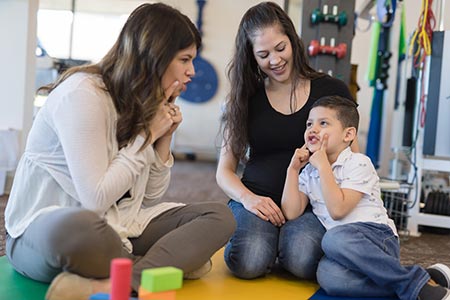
(244, 74)
(133, 67)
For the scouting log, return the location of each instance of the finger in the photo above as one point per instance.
(273, 218)
(305, 156)
(271, 212)
(175, 109)
(260, 215)
(167, 110)
(324, 144)
(307, 149)
(177, 118)
(174, 106)
(279, 214)
(300, 152)
(171, 90)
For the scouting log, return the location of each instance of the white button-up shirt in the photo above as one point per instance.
(351, 171)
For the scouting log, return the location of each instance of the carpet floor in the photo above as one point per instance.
(194, 181)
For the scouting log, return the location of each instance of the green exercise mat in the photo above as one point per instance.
(14, 286)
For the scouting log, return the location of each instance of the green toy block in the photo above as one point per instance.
(161, 279)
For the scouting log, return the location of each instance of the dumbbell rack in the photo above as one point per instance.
(328, 26)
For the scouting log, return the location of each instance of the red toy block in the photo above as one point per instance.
(121, 278)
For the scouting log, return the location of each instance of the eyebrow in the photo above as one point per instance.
(186, 55)
(319, 119)
(276, 46)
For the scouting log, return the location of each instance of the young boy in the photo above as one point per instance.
(361, 249)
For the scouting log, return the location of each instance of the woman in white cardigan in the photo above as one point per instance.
(97, 163)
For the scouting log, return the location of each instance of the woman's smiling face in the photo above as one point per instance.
(273, 53)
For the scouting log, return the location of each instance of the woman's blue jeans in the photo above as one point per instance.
(362, 260)
(256, 244)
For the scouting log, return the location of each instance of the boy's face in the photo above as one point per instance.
(321, 121)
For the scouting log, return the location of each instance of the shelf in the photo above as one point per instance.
(436, 164)
(416, 217)
(433, 220)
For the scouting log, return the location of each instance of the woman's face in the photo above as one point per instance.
(273, 53)
(180, 69)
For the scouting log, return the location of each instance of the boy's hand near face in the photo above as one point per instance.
(319, 159)
(293, 202)
(299, 159)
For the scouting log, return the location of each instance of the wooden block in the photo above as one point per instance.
(161, 279)
(146, 295)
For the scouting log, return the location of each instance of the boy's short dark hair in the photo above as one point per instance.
(346, 109)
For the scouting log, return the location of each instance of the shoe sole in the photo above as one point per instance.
(447, 296)
(444, 274)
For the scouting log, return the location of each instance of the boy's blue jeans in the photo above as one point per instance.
(362, 260)
(256, 244)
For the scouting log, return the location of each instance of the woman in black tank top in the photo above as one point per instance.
(272, 90)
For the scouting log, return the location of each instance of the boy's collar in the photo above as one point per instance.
(343, 156)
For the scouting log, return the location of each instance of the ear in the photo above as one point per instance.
(350, 134)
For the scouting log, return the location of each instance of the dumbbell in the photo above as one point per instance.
(318, 16)
(315, 48)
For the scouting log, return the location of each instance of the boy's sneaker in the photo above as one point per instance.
(432, 291)
(440, 274)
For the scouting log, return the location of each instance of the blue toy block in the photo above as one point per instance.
(104, 296)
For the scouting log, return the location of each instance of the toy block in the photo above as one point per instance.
(105, 296)
(121, 278)
(146, 295)
(161, 279)
(120, 270)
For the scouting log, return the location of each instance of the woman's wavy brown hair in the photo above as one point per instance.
(133, 68)
(244, 74)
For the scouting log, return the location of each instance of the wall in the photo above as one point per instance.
(17, 59)
(198, 133)
(17, 75)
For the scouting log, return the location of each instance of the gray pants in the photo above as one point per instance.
(79, 241)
